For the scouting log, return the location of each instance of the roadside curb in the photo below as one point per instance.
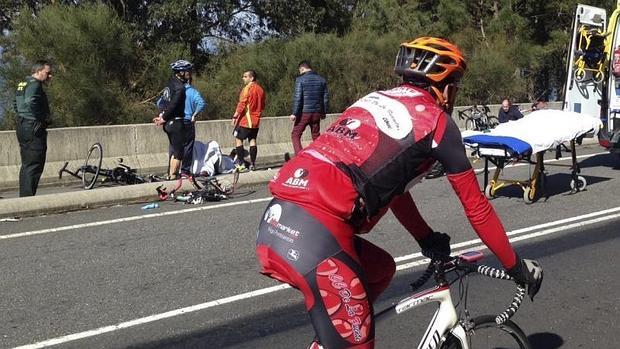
(102, 197)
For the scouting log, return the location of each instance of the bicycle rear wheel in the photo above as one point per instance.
(487, 334)
(470, 124)
(92, 166)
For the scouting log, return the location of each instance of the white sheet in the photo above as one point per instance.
(545, 129)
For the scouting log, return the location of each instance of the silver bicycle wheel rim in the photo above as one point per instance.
(92, 166)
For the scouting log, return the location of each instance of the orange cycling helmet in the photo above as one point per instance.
(431, 60)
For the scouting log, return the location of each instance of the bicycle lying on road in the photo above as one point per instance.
(449, 330)
(91, 170)
(208, 188)
(477, 118)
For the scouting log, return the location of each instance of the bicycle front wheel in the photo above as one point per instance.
(487, 334)
(92, 166)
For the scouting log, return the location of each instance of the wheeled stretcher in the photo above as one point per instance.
(527, 138)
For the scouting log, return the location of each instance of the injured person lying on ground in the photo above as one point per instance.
(209, 160)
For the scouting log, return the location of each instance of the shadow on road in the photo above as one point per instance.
(247, 329)
(555, 184)
(545, 340)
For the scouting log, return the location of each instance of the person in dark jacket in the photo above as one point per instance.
(309, 104)
(33, 112)
(173, 113)
(508, 112)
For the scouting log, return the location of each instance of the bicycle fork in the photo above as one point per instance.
(444, 321)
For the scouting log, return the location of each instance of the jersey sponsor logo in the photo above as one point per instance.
(165, 94)
(391, 116)
(292, 255)
(273, 214)
(282, 231)
(402, 92)
(345, 128)
(298, 180)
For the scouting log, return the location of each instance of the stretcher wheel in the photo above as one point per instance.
(598, 77)
(580, 185)
(489, 192)
(580, 74)
(529, 195)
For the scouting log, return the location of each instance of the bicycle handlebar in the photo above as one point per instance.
(451, 263)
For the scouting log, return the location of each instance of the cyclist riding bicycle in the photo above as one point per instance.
(344, 182)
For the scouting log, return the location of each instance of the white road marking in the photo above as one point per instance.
(524, 230)
(247, 295)
(154, 215)
(129, 219)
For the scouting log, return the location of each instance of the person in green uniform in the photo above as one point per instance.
(33, 112)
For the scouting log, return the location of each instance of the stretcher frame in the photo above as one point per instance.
(533, 186)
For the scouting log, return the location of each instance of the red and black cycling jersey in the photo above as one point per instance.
(374, 152)
(383, 141)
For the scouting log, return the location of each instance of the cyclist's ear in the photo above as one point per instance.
(449, 94)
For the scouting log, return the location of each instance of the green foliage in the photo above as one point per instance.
(111, 56)
(291, 18)
(354, 65)
(93, 60)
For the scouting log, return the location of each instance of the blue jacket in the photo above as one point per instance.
(194, 103)
(310, 94)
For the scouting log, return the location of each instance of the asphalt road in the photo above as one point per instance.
(185, 276)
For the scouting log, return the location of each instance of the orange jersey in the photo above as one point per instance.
(251, 105)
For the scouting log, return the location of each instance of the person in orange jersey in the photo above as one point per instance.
(247, 117)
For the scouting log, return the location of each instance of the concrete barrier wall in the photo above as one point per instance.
(144, 146)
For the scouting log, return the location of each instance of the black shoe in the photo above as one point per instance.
(436, 171)
(252, 168)
(287, 157)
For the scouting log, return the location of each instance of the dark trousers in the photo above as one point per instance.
(32, 138)
(188, 147)
(307, 119)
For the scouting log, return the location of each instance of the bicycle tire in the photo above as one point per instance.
(492, 121)
(487, 334)
(92, 166)
(470, 124)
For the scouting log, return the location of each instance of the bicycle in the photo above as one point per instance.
(91, 170)
(208, 188)
(477, 118)
(449, 330)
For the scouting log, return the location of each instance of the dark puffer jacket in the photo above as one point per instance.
(310, 94)
(513, 113)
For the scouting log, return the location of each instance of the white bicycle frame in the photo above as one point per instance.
(444, 321)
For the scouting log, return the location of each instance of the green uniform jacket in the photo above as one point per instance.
(31, 101)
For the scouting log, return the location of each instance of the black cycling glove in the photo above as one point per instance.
(527, 272)
(436, 246)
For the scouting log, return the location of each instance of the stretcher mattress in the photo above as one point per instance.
(535, 132)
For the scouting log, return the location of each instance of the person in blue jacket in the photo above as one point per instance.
(310, 104)
(194, 105)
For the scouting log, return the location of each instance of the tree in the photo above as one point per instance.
(93, 56)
